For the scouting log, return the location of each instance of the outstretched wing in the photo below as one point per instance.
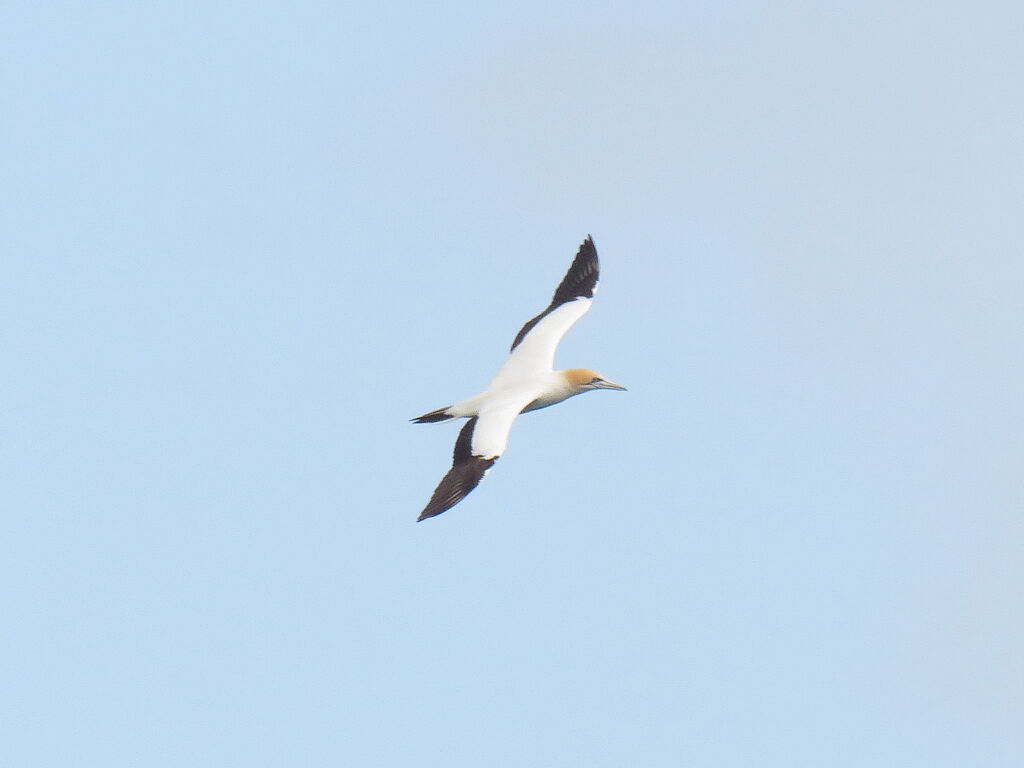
(465, 474)
(533, 349)
(480, 443)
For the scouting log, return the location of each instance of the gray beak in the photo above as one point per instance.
(605, 384)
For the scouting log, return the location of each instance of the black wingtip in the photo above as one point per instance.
(581, 279)
(461, 479)
(466, 473)
(579, 282)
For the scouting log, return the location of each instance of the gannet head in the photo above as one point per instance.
(584, 380)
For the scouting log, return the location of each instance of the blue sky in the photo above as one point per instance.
(243, 245)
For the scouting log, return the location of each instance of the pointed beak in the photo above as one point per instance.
(605, 384)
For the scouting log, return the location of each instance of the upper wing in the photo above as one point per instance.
(480, 443)
(534, 347)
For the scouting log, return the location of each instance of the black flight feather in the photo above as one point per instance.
(579, 282)
(463, 477)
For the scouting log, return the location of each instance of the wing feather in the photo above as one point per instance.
(579, 281)
(465, 474)
(533, 349)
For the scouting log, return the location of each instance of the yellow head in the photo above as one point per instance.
(583, 379)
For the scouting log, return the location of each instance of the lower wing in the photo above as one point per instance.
(480, 443)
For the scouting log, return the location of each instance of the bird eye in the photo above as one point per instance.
(596, 380)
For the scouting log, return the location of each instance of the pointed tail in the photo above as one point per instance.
(441, 414)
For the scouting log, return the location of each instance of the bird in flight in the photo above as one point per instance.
(527, 381)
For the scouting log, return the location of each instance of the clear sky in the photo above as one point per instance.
(242, 244)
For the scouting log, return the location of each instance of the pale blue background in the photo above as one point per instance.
(242, 244)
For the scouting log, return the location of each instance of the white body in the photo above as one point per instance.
(527, 381)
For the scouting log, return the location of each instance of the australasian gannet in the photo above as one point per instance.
(526, 382)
